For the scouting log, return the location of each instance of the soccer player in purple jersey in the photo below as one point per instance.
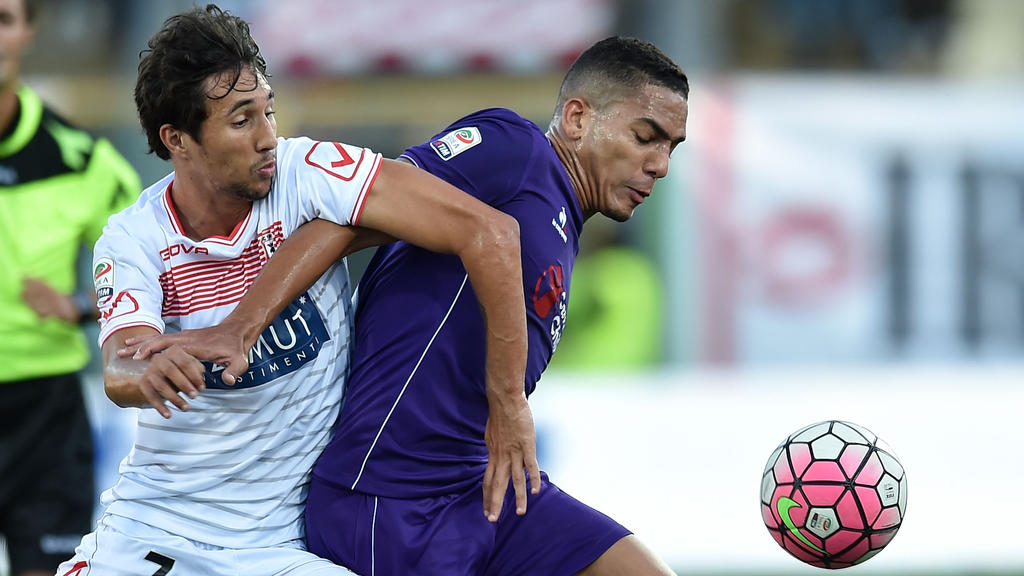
(401, 487)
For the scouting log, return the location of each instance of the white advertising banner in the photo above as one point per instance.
(853, 219)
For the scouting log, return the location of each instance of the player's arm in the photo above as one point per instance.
(129, 382)
(304, 257)
(405, 203)
(297, 263)
(413, 205)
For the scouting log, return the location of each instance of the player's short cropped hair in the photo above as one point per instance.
(173, 72)
(616, 66)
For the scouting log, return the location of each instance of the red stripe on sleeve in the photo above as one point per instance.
(357, 210)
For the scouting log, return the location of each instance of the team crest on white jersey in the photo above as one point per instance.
(456, 142)
(267, 242)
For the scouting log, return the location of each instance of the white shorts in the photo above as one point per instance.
(123, 547)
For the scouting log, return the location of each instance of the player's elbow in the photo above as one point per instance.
(487, 241)
(500, 235)
(115, 395)
(120, 391)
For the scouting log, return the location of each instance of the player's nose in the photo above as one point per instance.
(267, 135)
(656, 163)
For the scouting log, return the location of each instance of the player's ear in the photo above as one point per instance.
(173, 139)
(575, 118)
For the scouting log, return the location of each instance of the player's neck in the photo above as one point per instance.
(577, 175)
(205, 216)
(8, 107)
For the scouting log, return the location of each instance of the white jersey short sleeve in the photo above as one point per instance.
(334, 178)
(233, 470)
(138, 299)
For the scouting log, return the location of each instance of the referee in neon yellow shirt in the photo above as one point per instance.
(58, 185)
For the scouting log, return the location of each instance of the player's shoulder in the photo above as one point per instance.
(499, 120)
(291, 151)
(291, 146)
(141, 220)
(499, 116)
(498, 134)
(302, 152)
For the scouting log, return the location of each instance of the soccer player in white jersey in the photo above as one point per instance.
(216, 482)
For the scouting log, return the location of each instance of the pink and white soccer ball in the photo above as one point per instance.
(833, 494)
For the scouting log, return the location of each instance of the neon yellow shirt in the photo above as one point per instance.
(615, 313)
(58, 185)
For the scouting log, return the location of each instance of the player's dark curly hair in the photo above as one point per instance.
(190, 48)
(616, 64)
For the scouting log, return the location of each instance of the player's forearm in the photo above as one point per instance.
(121, 375)
(296, 265)
(167, 377)
(494, 265)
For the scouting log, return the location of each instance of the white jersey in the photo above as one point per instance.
(233, 471)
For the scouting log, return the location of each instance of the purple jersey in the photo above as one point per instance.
(415, 411)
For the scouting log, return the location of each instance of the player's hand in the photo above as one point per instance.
(215, 344)
(512, 453)
(47, 302)
(169, 374)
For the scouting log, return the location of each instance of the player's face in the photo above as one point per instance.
(627, 148)
(236, 151)
(15, 35)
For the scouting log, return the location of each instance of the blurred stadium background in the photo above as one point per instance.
(836, 239)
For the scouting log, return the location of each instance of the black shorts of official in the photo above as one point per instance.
(47, 489)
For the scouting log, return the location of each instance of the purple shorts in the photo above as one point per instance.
(449, 535)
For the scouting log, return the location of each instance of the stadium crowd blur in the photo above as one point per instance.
(390, 90)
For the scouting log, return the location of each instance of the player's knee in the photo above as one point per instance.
(627, 557)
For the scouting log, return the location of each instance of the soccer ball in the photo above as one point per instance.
(833, 494)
